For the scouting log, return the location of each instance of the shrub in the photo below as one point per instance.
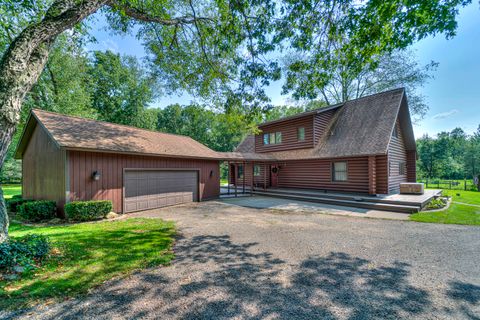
(88, 210)
(37, 210)
(26, 252)
(13, 203)
(437, 203)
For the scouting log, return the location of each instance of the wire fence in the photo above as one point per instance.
(466, 185)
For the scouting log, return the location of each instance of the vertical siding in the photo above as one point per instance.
(396, 154)
(110, 165)
(411, 166)
(382, 174)
(289, 135)
(43, 166)
(321, 123)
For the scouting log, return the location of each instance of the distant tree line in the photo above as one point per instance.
(449, 155)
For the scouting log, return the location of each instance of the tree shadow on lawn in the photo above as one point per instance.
(87, 258)
(215, 278)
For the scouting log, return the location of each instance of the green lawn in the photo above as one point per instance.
(9, 190)
(87, 254)
(456, 213)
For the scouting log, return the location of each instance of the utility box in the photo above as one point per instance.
(411, 188)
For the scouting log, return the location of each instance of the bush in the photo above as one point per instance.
(437, 203)
(26, 252)
(14, 203)
(88, 210)
(37, 210)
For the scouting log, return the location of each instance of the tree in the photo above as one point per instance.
(121, 89)
(210, 39)
(389, 71)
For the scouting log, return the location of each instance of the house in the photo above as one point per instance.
(364, 146)
(69, 158)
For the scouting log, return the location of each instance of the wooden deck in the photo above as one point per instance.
(394, 202)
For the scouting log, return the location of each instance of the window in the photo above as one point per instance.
(266, 139)
(339, 170)
(301, 134)
(272, 138)
(256, 170)
(240, 171)
(395, 132)
(278, 137)
(401, 168)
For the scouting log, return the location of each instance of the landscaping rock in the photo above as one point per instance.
(18, 269)
(55, 221)
(10, 277)
(112, 215)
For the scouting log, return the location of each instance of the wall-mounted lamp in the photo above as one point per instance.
(211, 173)
(96, 175)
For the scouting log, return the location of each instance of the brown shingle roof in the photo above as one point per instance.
(79, 133)
(361, 127)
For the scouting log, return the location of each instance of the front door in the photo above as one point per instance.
(273, 175)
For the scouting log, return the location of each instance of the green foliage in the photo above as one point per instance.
(13, 204)
(27, 252)
(121, 89)
(437, 204)
(88, 210)
(37, 210)
(451, 155)
(11, 191)
(86, 255)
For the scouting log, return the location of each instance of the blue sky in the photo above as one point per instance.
(453, 95)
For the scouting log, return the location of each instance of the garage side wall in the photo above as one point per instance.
(82, 164)
(43, 169)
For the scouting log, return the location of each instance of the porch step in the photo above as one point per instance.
(341, 202)
(329, 195)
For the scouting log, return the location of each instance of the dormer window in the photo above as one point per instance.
(301, 134)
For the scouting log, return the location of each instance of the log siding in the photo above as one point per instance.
(397, 155)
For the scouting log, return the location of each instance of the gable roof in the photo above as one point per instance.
(84, 134)
(360, 127)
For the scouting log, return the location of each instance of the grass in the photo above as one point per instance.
(457, 213)
(9, 190)
(87, 254)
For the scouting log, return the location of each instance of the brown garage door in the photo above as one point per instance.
(150, 189)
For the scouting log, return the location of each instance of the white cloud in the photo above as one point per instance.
(110, 45)
(444, 115)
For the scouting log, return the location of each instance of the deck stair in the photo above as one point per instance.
(349, 200)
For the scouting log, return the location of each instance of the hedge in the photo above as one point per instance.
(88, 210)
(14, 203)
(37, 210)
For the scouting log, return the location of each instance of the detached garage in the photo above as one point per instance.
(68, 158)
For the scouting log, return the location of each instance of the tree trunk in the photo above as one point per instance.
(22, 64)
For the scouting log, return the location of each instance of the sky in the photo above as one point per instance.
(453, 96)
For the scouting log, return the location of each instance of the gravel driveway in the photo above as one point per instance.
(244, 263)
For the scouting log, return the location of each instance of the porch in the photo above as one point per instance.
(405, 203)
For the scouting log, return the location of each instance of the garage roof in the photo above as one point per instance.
(85, 134)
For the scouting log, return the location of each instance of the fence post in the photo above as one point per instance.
(426, 184)
(450, 184)
(438, 184)
(465, 184)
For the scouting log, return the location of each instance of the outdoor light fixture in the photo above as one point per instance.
(96, 175)
(211, 173)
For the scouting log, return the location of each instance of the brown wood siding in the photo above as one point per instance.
(396, 155)
(317, 174)
(321, 123)
(259, 180)
(111, 165)
(411, 166)
(289, 135)
(382, 174)
(43, 169)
